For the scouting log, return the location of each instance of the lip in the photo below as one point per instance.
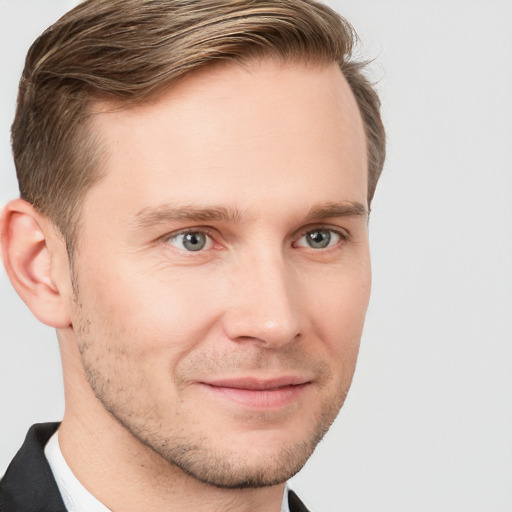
(257, 393)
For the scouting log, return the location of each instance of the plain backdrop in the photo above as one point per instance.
(428, 422)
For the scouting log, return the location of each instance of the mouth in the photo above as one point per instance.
(256, 393)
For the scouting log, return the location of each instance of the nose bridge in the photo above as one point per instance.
(266, 306)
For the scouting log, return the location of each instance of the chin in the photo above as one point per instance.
(242, 460)
(244, 471)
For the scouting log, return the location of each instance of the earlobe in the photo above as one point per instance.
(31, 251)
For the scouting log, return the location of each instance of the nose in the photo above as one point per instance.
(264, 305)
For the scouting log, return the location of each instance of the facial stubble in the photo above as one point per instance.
(191, 452)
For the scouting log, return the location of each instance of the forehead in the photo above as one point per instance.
(235, 131)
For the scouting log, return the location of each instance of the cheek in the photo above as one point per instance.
(145, 312)
(340, 306)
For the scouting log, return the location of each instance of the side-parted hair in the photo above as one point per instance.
(130, 51)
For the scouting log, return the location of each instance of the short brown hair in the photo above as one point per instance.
(129, 51)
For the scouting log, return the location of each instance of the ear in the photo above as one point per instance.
(36, 262)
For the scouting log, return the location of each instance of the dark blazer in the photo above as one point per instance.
(28, 484)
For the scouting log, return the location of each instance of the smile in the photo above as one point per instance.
(256, 393)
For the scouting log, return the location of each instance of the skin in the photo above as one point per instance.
(202, 380)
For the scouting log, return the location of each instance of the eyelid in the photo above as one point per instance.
(192, 229)
(335, 229)
(209, 232)
(342, 233)
(212, 233)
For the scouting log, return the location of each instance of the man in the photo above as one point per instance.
(195, 183)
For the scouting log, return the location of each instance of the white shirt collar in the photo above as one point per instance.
(75, 496)
(284, 504)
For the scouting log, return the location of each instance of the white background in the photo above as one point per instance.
(428, 423)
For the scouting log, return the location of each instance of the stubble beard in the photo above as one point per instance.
(198, 457)
(193, 453)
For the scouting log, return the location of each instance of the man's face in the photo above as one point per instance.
(222, 271)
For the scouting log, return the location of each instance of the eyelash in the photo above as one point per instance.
(204, 231)
(343, 236)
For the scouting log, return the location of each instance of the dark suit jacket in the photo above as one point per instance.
(28, 484)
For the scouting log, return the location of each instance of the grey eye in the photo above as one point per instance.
(194, 241)
(319, 239)
(191, 241)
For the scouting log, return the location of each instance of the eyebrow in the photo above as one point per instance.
(336, 210)
(151, 216)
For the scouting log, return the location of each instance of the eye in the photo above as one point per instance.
(319, 239)
(191, 241)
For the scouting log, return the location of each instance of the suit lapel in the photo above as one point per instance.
(28, 484)
(295, 504)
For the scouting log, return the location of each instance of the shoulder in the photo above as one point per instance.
(28, 484)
